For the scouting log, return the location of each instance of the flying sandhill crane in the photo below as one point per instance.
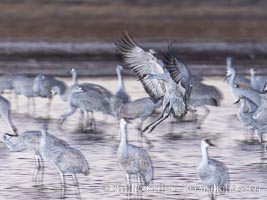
(172, 84)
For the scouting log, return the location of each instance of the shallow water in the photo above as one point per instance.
(175, 153)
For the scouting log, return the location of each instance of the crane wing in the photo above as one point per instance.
(178, 70)
(141, 63)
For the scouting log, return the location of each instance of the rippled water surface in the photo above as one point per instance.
(174, 148)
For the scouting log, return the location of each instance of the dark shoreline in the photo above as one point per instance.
(100, 58)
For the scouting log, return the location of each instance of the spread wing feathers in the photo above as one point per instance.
(178, 71)
(141, 63)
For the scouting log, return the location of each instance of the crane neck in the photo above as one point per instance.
(123, 142)
(44, 135)
(205, 155)
(74, 77)
(120, 79)
(252, 76)
(232, 77)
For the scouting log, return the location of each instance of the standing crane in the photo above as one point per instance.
(133, 160)
(66, 159)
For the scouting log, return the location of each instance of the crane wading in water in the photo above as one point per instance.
(65, 158)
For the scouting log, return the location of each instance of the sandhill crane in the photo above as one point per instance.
(203, 95)
(105, 93)
(212, 173)
(28, 141)
(257, 82)
(139, 109)
(246, 117)
(23, 85)
(86, 101)
(239, 79)
(66, 159)
(239, 89)
(172, 84)
(43, 85)
(132, 159)
(261, 113)
(5, 114)
(6, 82)
(121, 93)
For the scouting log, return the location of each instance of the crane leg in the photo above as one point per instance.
(33, 106)
(65, 116)
(158, 119)
(92, 120)
(48, 107)
(62, 184)
(161, 120)
(39, 169)
(128, 180)
(6, 117)
(28, 106)
(76, 185)
(200, 122)
(85, 121)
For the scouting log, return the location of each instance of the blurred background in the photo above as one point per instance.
(52, 36)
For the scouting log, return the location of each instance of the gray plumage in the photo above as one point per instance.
(23, 85)
(158, 83)
(6, 81)
(241, 90)
(121, 93)
(203, 95)
(65, 158)
(261, 113)
(5, 110)
(139, 109)
(132, 159)
(28, 141)
(257, 82)
(43, 85)
(239, 79)
(211, 172)
(86, 101)
(246, 117)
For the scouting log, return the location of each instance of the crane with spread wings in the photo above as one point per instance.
(171, 83)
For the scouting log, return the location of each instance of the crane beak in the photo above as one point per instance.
(237, 101)
(209, 143)
(53, 92)
(10, 135)
(127, 120)
(225, 78)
